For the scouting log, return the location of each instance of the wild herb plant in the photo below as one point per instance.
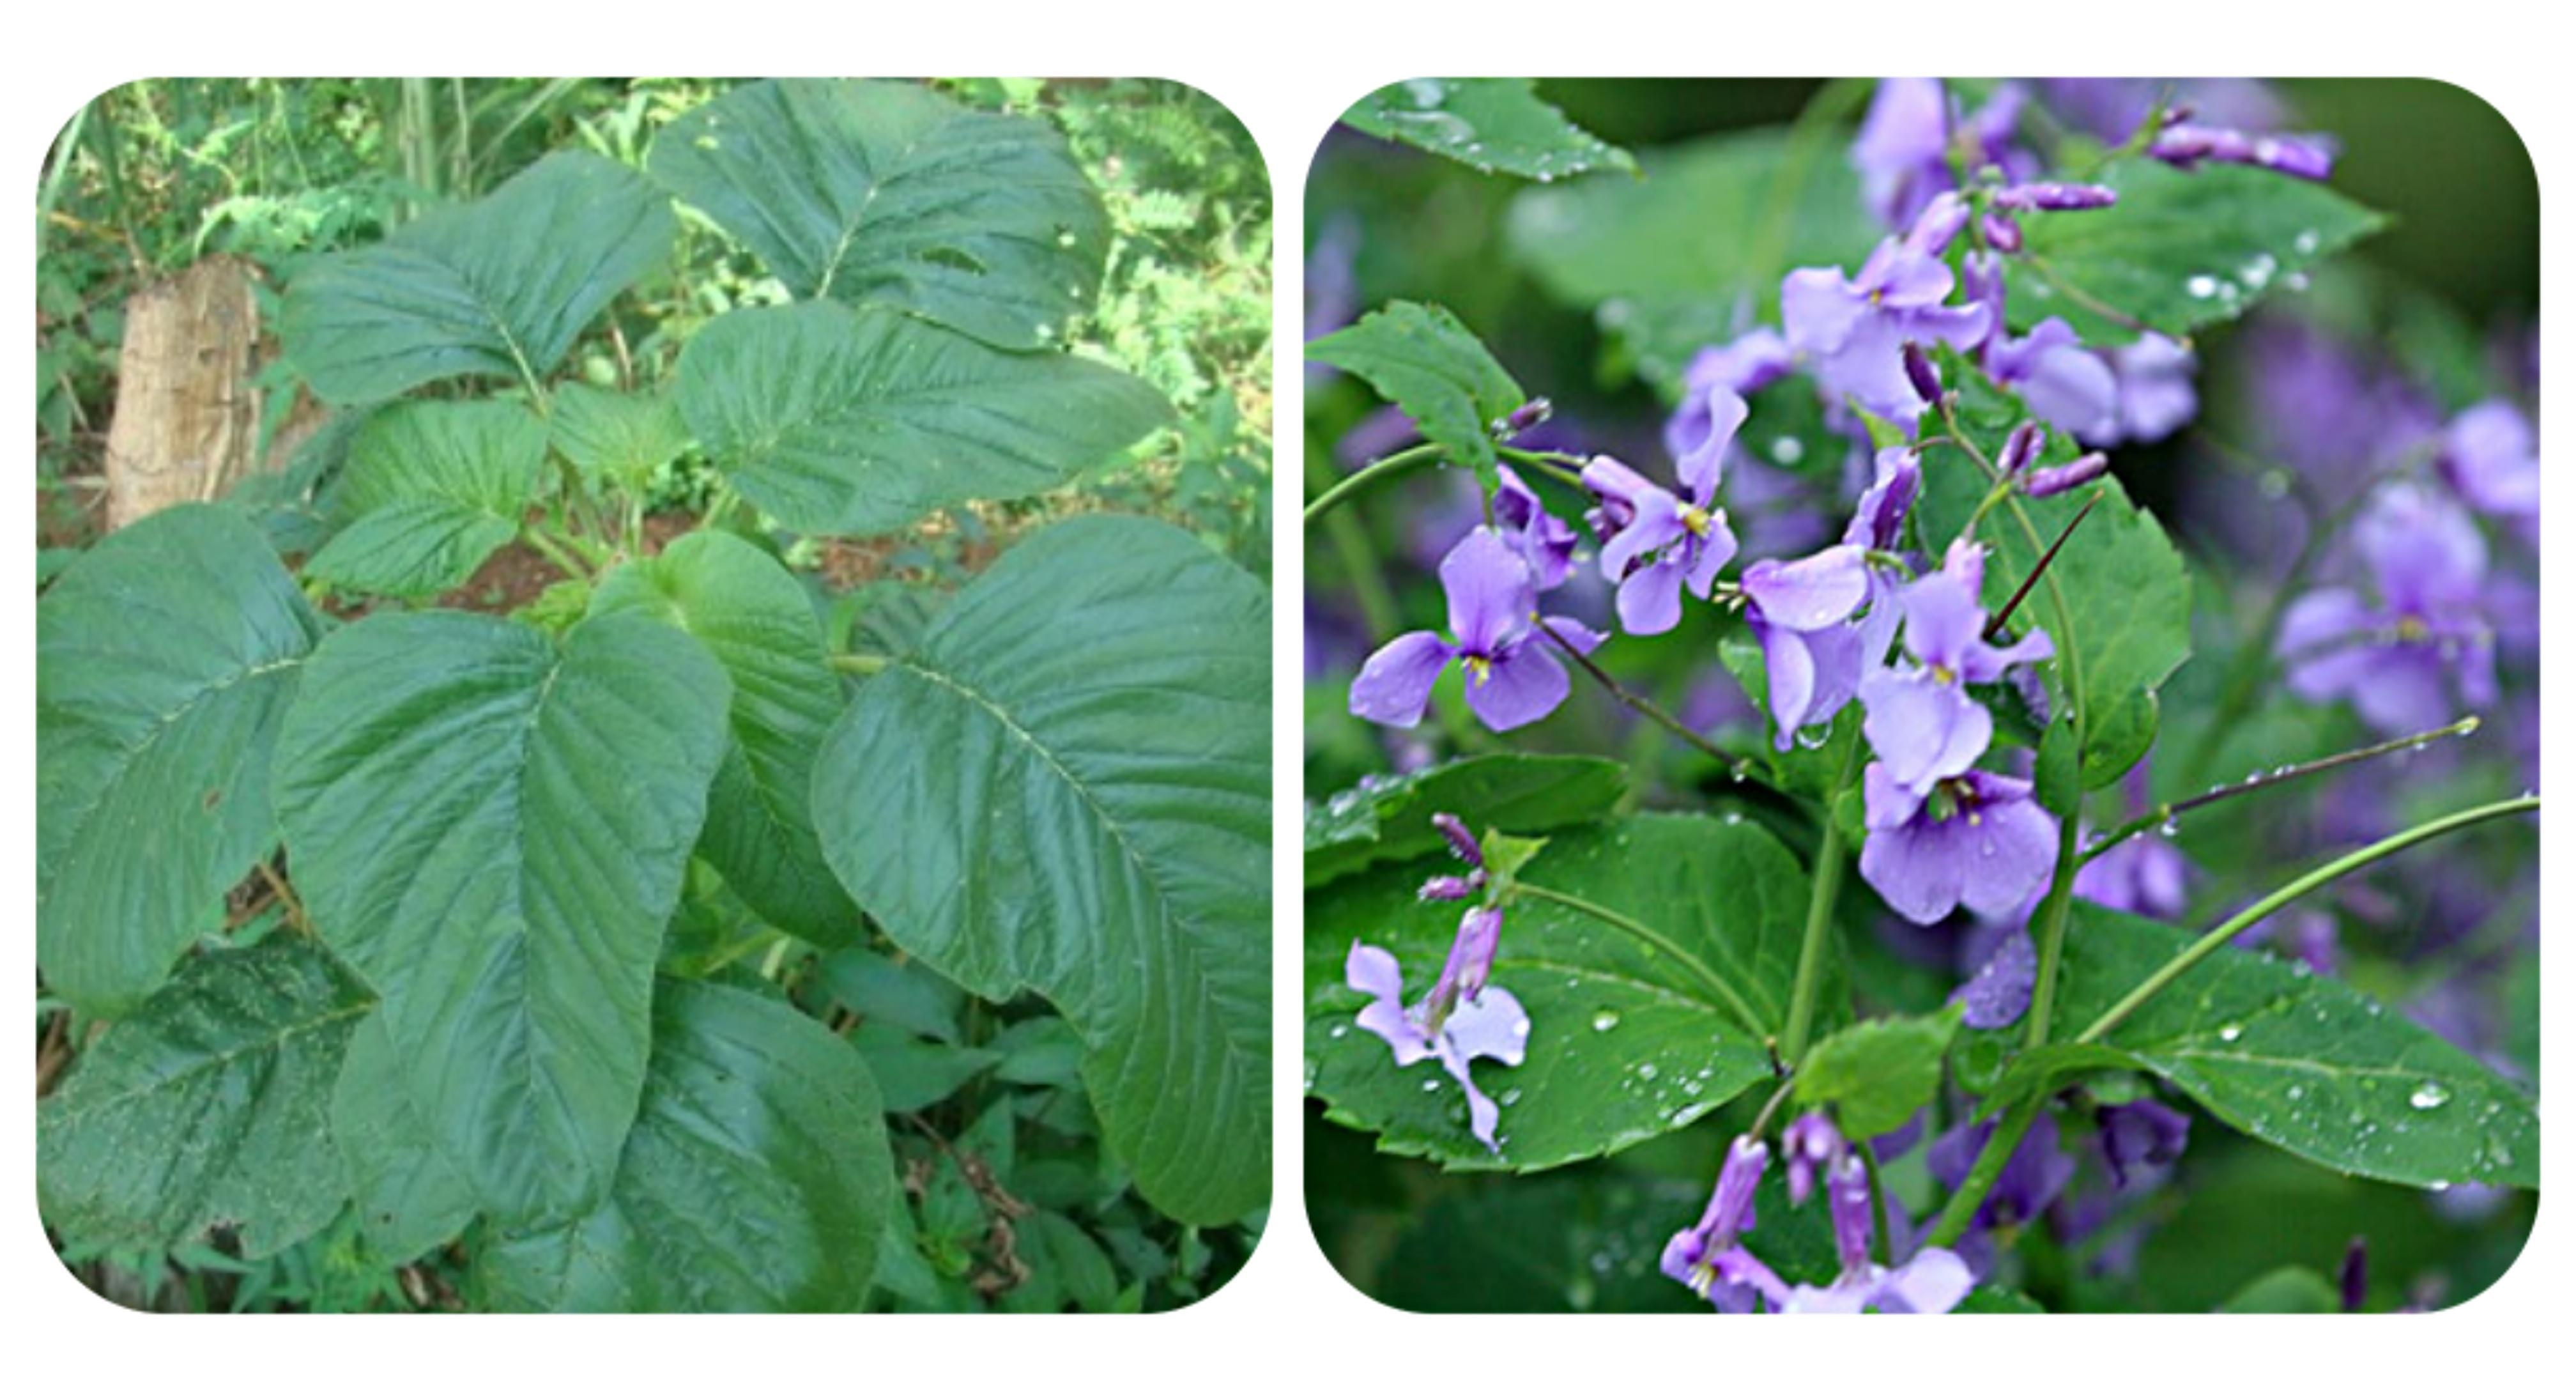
(618, 952)
(1906, 380)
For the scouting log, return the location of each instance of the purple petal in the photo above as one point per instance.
(1928, 1284)
(1490, 592)
(1719, 413)
(1707, 554)
(1819, 309)
(1650, 600)
(1811, 593)
(1999, 994)
(1520, 685)
(1394, 687)
(1943, 618)
(1922, 730)
(1491, 1026)
(1789, 671)
(1582, 638)
(1915, 869)
(1374, 971)
(2013, 840)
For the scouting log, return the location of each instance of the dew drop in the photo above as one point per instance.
(2231, 1033)
(1339, 1032)
(1605, 1019)
(2201, 286)
(2428, 1095)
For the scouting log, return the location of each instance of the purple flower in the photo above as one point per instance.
(2155, 391)
(1453, 1023)
(1814, 653)
(2141, 1136)
(2490, 456)
(2399, 661)
(1903, 149)
(1512, 676)
(1812, 1145)
(1655, 544)
(1974, 838)
(2185, 145)
(1702, 429)
(1930, 1283)
(1998, 993)
(2110, 108)
(2059, 378)
(2031, 1179)
(1706, 1257)
(2144, 874)
(1853, 329)
(1921, 721)
(1544, 542)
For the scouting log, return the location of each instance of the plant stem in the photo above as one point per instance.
(1656, 940)
(1393, 465)
(1736, 766)
(2167, 813)
(1823, 888)
(853, 663)
(2003, 614)
(2216, 939)
(2000, 1145)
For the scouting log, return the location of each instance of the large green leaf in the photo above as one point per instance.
(755, 619)
(1625, 1041)
(210, 1106)
(617, 435)
(165, 659)
(757, 1177)
(1066, 787)
(1680, 259)
(1387, 819)
(832, 419)
(432, 488)
(2179, 251)
(1427, 364)
(2301, 1061)
(492, 827)
(500, 286)
(887, 192)
(410, 1197)
(1490, 124)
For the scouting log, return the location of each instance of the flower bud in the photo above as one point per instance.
(1449, 888)
(2021, 446)
(1528, 416)
(2001, 232)
(1920, 374)
(1937, 225)
(2049, 481)
(1461, 843)
(2056, 197)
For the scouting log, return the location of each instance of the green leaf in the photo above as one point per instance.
(1670, 263)
(757, 1177)
(500, 286)
(432, 488)
(1624, 1045)
(863, 422)
(1427, 364)
(1991, 1300)
(208, 1107)
(1387, 819)
(615, 435)
(165, 659)
(1877, 1074)
(2046, 1069)
(2180, 250)
(904, 996)
(886, 192)
(913, 1074)
(1490, 124)
(410, 1197)
(1066, 788)
(755, 619)
(2289, 1291)
(492, 828)
(1066, 1268)
(2300, 1061)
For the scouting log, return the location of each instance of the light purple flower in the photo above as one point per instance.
(1513, 677)
(1490, 1024)
(1902, 151)
(1706, 1257)
(2140, 1137)
(1702, 429)
(2155, 391)
(1814, 651)
(2491, 457)
(2061, 380)
(1921, 721)
(1930, 1283)
(2399, 661)
(1656, 544)
(2144, 875)
(1544, 542)
(1974, 839)
(1853, 329)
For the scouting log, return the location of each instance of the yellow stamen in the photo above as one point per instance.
(1478, 668)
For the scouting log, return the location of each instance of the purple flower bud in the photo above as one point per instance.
(2049, 481)
(2056, 197)
(2354, 1276)
(2001, 232)
(1451, 888)
(1920, 374)
(1480, 933)
(1736, 1182)
(2021, 446)
(2185, 146)
(1937, 225)
(1847, 1199)
(1528, 416)
(1461, 843)
(1810, 1144)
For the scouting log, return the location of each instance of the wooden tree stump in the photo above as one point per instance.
(187, 405)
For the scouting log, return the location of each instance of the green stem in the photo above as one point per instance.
(1825, 886)
(555, 552)
(1971, 1193)
(2235, 925)
(1393, 465)
(1657, 941)
(853, 663)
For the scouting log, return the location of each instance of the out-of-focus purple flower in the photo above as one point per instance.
(1489, 1025)
(1544, 542)
(1930, 1283)
(2490, 455)
(2156, 396)
(1513, 677)
(2185, 146)
(2352, 1279)
(2059, 378)
(1655, 544)
(1853, 329)
(1975, 839)
(2140, 1136)
(2111, 108)
(1921, 721)
(1902, 151)
(1702, 429)
(1811, 1144)
(2142, 875)
(1998, 993)
(2031, 1179)
(2398, 662)
(1814, 653)
(1332, 285)
(1706, 1257)
(1378, 433)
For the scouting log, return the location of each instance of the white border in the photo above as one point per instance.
(1286, 69)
